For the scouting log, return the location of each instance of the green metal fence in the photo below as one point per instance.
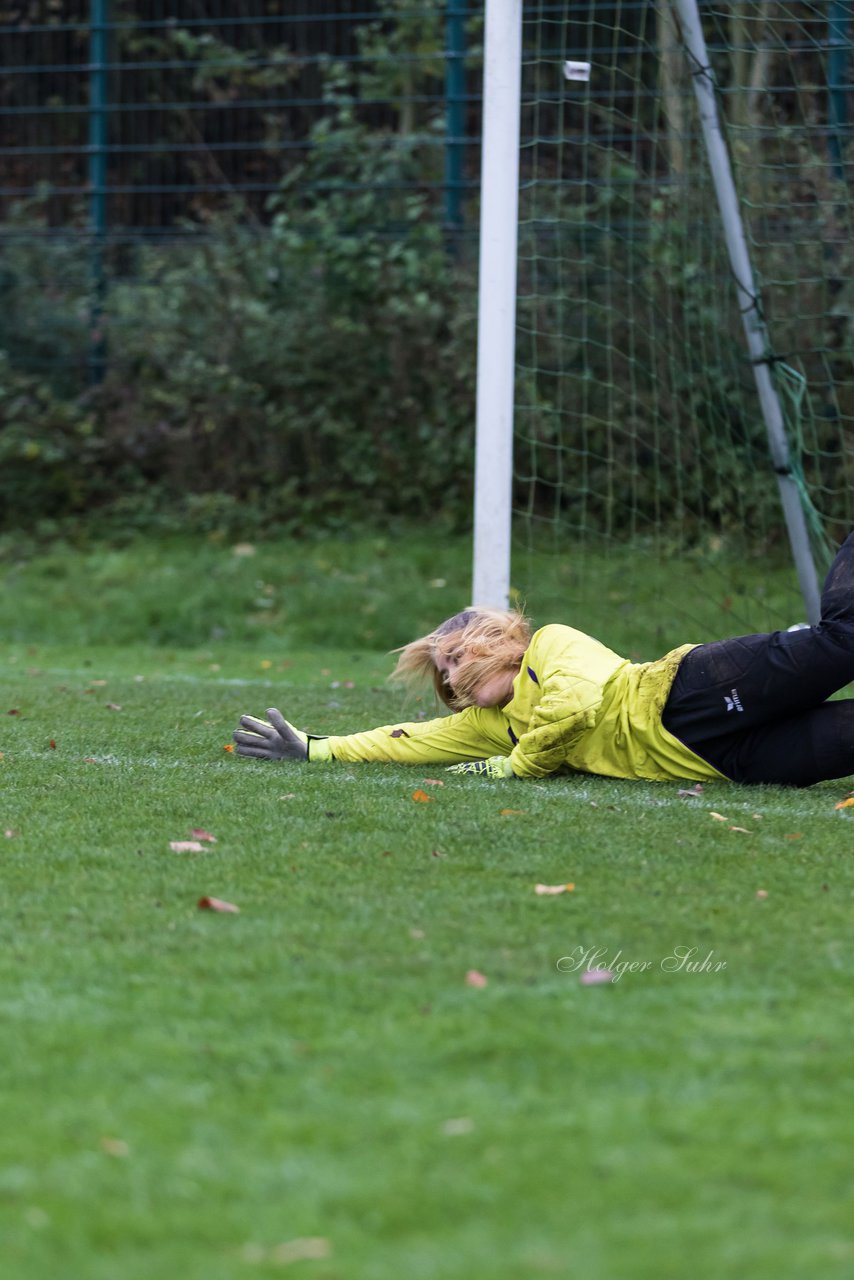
(124, 122)
(120, 117)
(133, 134)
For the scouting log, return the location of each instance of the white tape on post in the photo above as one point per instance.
(576, 70)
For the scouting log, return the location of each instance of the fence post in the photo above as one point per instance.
(455, 112)
(98, 109)
(839, 42)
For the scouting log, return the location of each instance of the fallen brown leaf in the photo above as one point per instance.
(199, 833)
(475, 979)
(112, 706)
(186, 846)
(742, 829)
(437, 782)
(115, 1147)
(511, 813)
(691, 791)
(421, 797)
(845, 804)
(52, 744)
(217, 904)
(457, 1126)
(306, 1247)
(553, 888)
(229, 746)
(718, 817)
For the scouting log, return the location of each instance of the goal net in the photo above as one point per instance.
(637, 421)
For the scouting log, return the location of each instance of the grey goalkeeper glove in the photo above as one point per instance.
(494, 767)
(273, 739)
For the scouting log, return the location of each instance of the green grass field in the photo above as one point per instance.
(312, 1087)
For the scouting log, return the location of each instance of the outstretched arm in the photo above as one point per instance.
(469, 735)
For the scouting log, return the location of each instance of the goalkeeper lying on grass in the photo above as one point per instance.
(751, 709)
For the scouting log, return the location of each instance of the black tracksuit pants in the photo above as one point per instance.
(756, 707)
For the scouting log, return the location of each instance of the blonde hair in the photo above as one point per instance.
(485, 642)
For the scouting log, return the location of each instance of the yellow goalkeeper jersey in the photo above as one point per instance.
(576, 705)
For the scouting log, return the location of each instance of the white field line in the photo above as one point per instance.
(125, 762)
(174, 677)
(712, 801)
(574, 793)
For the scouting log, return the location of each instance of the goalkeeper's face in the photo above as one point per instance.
(493, 690)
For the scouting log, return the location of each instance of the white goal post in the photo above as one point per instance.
(496, 328)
